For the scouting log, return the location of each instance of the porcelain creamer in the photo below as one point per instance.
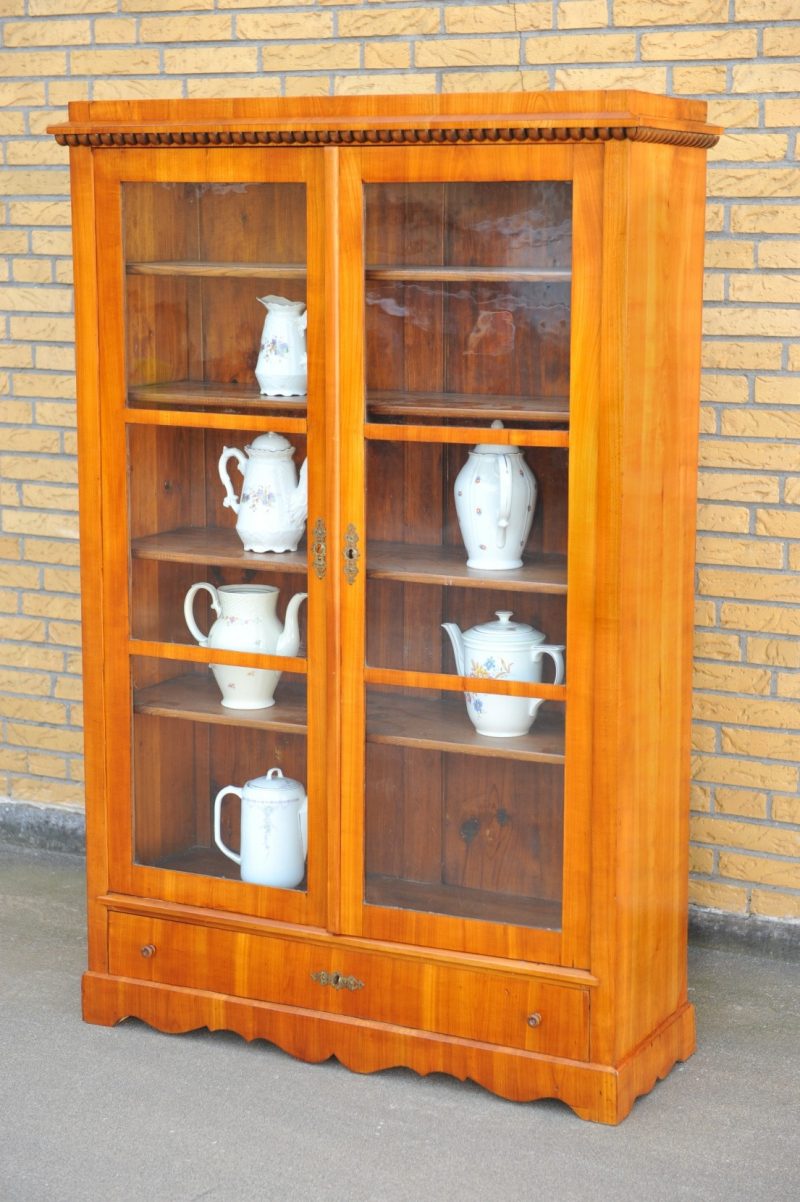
(272, 509)
(246, 621)
(495, 494)
(503, 650)
(274, 830)
(282, 367)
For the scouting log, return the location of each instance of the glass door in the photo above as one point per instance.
(211, 269)
(461, 411)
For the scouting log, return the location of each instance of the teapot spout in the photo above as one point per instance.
(458, 646)
(298, 502)
(289, 639)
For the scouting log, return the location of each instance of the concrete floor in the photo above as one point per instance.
(90, 1114)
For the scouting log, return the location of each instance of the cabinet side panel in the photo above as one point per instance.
(91, 540)
(648, 741)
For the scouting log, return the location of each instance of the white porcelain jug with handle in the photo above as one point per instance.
(273, 506)
(274, 830)
(495, 494)
(246, 621)
(282, 367)
(503, 650)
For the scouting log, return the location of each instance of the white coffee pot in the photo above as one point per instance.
(246, 621)
(274, 830)
(282, 367)
(495, 494)
(273, 505)
(503, 650)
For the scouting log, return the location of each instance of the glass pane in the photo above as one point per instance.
(458, 823)
(468, 290)
(187, 748)
(198, 258)
(468, 302)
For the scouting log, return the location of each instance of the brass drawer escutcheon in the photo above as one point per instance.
(337, 981)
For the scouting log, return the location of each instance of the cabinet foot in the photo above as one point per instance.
(599, 1093)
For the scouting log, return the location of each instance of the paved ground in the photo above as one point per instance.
(90, 1114)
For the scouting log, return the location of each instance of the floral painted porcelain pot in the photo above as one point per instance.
(503, 650)
(273, 505)
(282, 367)
(495, 494)
(274, 830)
(246, 621)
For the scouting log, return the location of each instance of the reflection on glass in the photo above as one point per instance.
(468, 299)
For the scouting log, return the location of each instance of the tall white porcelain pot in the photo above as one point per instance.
(495, 494)
(274, 830)
(282, 367)
(503, 650)
(272, 509)
(246, 621)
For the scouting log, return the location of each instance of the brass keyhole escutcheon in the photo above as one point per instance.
(319, 548)
(351, 553)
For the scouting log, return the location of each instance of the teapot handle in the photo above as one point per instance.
(555, 653)
(231, 501)
(188, 610)
(302, 818)
(218, 823)
(506, 472)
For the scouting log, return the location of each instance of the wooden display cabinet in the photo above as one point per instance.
(511, 910)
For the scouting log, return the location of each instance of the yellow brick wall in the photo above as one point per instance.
(740, 55)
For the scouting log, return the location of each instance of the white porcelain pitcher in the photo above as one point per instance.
(282, 367)
(273, 505)
(503, 650)
(274, 830)
(495, 494)
(246, 621)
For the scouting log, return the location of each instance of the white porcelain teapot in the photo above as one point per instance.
(273, 505)
(282, 367)
(502, 650)
(246, 621)
(495, 494)
(274, 830)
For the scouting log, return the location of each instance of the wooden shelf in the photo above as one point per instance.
(196, 698)
(462, 903)
(210, 268)
(416, 564)
(444, 405)
(196, 394)
(443, 725)
(476, 274)
(215, 545)
(206, 861)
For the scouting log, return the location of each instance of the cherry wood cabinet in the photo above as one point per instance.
(511, 270)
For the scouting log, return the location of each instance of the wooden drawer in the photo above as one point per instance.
(510, 1010)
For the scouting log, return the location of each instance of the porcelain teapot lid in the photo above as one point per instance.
(504, 630)
(276, 788)
(270, 444)
(495, 448)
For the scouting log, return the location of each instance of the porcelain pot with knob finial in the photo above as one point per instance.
(246, 621)
(503, 650)
(273, 506)
(274, 830)
(495, 494)
(282, 367)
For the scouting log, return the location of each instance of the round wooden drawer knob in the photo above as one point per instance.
(148, 950)
(534, 1020)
